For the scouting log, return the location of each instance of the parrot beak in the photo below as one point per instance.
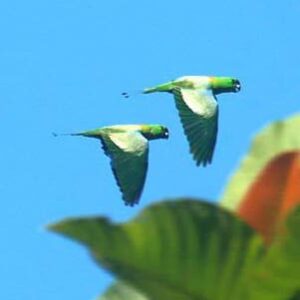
(166, 134)
(237, 86)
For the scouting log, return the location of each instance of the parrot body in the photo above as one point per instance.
(127, 146)
(196, 102)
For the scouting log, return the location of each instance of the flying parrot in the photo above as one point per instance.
(127, 147)
(196, 102)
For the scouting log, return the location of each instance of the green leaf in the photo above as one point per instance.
(122, 291)
(177, 250)
(276, 139)
(277, 277)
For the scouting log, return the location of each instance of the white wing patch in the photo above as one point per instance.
(201, 102)
(130, 141)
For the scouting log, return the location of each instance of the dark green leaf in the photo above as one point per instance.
(277, 277)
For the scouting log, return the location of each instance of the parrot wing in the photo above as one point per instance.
(129, 162)
(198, 111)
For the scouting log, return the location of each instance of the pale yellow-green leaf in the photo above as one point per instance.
(122, 291)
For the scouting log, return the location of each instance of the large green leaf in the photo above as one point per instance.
(122, 291)
(276, 139)
(174, 250)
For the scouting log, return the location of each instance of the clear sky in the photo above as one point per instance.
(63, 65)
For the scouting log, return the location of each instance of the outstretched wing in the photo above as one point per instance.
(129, 162)
(198, 111)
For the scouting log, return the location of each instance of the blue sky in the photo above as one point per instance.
(63, 65)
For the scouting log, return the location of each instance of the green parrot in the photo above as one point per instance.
(127, 147)
(195, 98)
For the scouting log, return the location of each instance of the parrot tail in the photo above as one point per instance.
(64, 134)
(165, 87)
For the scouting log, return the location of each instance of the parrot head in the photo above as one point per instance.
(225, 85)
(152, 132)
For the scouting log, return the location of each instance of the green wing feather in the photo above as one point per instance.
(129, 162)
(198, 111)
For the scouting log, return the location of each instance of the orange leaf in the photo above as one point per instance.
(275, 191)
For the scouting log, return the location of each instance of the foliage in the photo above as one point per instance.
(277, 138)
(173, 250)
(272, 195)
